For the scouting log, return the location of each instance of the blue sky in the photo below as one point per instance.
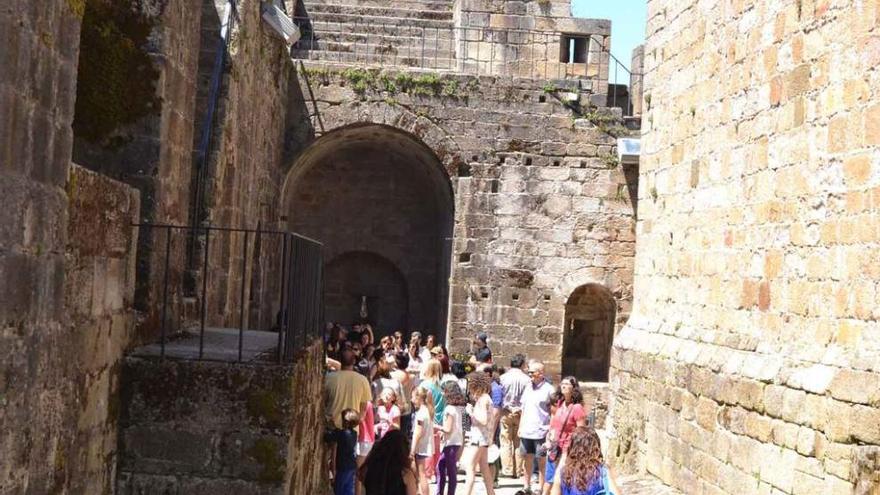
(627, 22)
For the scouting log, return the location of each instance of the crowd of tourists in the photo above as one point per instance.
(403, 412)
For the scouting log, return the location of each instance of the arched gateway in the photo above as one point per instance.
(381, 203)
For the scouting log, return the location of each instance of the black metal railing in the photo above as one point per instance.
(460, 49)
(258, 293)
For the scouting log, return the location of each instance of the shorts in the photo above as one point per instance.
(363, 448)
(528, 446)
(478, 438)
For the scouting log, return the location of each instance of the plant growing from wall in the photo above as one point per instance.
(116, 79)
(363, 81)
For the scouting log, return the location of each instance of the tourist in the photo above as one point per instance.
(569, 414)
(366, 437)
(415, 360)
(497, 394)
(582, 469)
(439, 353)
(481, 353)
(383, 377)
(425, 351)
(422, 445)
(343, 464)
(335, 339)
(452, 439)
(406, 386)
(399, 345)
(388, 412)
(534, 424)
(431, 373)
(387, 470)
(345, 389)
(386, 343)
(479, 388)
(366, 335)
(513, 384)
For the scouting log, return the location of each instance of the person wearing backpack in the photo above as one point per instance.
(582, 469)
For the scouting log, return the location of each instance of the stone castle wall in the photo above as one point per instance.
(751, 362)
(67, 270)
(37, 91)
(134, 122)
(245, 170)
(541, 204)
(201, 427)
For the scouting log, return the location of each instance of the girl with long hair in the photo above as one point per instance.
(452, 437)
(479, 388)
(582, 469)
(387, 470)
(422, 447)
(432, 371)
(569, 414)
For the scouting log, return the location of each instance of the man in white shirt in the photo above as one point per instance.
(534, 424)
(513, 383)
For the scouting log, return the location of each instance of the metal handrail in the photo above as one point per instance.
(299, 282)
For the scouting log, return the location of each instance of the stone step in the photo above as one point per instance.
(360, 42)
(356, 21)
(323, 27)
(435, 5)
(375, 60)
(368, 12)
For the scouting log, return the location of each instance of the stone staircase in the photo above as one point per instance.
(413, 33)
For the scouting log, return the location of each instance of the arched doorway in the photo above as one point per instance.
(381, 203)
(365, 287)
(588, 333)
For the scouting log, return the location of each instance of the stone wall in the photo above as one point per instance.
(244, 169)
(751, 363)
(204, 427)
(99, 291)
(541, 205)
(37, 87)
(134, 121)
(530, 39)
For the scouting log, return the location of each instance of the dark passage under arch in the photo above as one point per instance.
(588, 333)
(381, 203)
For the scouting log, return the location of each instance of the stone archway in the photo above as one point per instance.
(376, 189)
(588, 333)
(364, 287)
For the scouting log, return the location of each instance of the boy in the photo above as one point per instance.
(344, 464)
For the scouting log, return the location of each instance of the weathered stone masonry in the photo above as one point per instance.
(751, 362)
(537, 192)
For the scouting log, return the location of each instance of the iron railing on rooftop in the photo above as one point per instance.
(258, 295)
(479, 51)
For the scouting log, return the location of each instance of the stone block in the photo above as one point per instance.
(158, 450)
(856, 386)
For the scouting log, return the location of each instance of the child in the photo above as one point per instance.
(453, 437)
(388, 412)
(344, 464)
(479, 388)
(422, 447)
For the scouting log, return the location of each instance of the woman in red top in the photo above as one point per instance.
(570, 413)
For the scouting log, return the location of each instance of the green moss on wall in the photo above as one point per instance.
(116, 79)
(272, 463)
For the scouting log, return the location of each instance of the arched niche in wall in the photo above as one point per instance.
(364, 287)
(373, 188)
(588, 333)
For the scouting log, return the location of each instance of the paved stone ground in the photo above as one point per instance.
(628, 485)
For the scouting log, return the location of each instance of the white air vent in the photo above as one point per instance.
(629, 150)
(283, 25)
